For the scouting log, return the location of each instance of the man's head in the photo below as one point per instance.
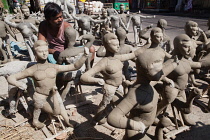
(25, 10)
(53, 14)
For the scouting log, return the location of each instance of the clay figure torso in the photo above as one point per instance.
(147, 99)
(180, 74)
(112, 73)
(84, 23)
(3, 32)
(44, 74)
(25, 29)
(123, 18)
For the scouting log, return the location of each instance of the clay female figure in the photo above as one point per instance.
(111, 69)
(4, 37)
(27, 18)
(44, 74)
(142, 98)
(182, 48)
(162, 23)
(26, 29)
(198, 35)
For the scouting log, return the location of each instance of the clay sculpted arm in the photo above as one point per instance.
(10, 31)
(169, 66)
(117, 117)
(147, 16)
(12, 24)
(77, 65)
(88, 77)
(90, 39)
(124, 57)
(13, 79)
(100, 52)
(34, 27)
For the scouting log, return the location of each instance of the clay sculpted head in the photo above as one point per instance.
(191, 28)
(111, 43)
(25, 10)
(156, 35)
(121, 35)
(122, 8)
(150, 65)
(162, 23)
(80, 7)
(70, 36)
(104, 12)
(41, 50)
(183, 45)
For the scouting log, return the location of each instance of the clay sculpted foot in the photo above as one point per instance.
(187, 120)
(38, 124)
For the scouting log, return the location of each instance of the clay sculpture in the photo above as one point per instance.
(46, 96)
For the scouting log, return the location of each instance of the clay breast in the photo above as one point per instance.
(113, 65)
(45, 72)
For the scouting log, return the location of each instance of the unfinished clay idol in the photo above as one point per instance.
(46, 96)
(142, 98)
(111, 69)
(4, 38)
(176, 94)
(26, 29)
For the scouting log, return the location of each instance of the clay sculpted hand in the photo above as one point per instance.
(101, 82)
(86, 51)
(21, 86)
(139, 126)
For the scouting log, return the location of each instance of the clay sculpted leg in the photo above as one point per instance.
(169, 95)
(39, 101)
(108, 93)
(185, 105)
(12, 100)
(8, 48)
(3, 52)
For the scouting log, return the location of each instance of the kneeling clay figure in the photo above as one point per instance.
(44, 74)
(137, 111)
(111, 69)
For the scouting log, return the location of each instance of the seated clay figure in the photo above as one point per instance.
(4, 37)
(111, 69)
(167, 45)
(46, 96)
(26, 29)
(137, 111)
(183, 46)
(198, 35)
(71, 50)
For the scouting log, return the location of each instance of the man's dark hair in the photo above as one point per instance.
(51, 9)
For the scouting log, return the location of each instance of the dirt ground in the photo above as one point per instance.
(20, 127)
